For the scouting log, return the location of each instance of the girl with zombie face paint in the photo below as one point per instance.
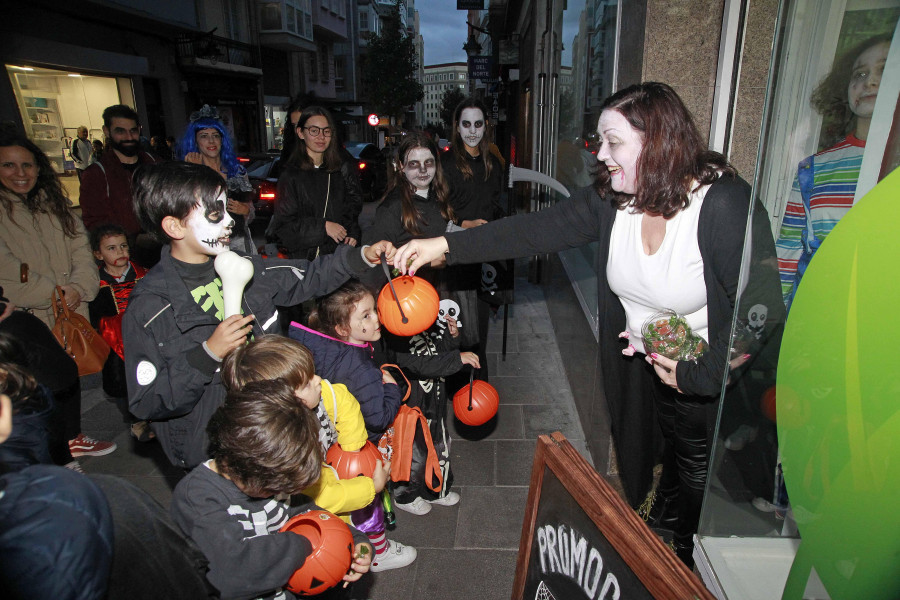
(475, 180)
(207, 142)
(314, 210)
(415, 206)
(474, 175)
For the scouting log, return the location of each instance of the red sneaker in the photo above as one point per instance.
(83, 445)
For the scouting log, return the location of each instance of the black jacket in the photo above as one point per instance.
(171, 379)
(306, 198)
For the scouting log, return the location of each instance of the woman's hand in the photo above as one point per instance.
(72, 296)
(374, 252)
(335, 231)
(421, 252)
(362, 560)
(193, 157)
(350, 241)
(665, 368)
(470, 223)
(381, 474)
(236, 207)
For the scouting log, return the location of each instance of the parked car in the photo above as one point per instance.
(372, 168)
(263, 171)
(443, 145)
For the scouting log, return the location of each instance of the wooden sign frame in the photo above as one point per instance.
(653, 564)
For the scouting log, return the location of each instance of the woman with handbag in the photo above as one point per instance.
(43, 245)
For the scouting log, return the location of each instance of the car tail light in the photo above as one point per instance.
(243, 159)
(362, 165)
(267, 191)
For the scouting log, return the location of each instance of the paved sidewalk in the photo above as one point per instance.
(465, 551)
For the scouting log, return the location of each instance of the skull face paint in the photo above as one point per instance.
(471, 126)
(419, 168)
(211, 225)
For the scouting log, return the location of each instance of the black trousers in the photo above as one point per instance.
(687, 425)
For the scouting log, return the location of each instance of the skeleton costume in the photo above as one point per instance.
(173, 379)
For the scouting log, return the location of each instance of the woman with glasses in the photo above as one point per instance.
(314, 210)
(206, 142)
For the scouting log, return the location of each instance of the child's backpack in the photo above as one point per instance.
(408, 441)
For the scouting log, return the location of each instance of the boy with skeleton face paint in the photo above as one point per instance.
(174, 334)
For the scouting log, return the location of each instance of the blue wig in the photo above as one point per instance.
(188, 144)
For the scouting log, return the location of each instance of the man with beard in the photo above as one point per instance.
(106, 185)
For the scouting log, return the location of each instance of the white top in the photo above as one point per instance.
(671, 278)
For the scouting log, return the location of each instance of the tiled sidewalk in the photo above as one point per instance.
(465, 551)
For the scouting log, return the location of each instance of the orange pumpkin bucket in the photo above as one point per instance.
(331, 556)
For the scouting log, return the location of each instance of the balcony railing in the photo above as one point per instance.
(217, 50)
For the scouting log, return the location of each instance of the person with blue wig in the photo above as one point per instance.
(207, 142)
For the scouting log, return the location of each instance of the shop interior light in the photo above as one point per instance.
(74, 75)
(21, 68)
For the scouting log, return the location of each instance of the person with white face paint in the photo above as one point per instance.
(825, 184)
(174, 334)
(475, 180)
(416, 206)
(669, 218)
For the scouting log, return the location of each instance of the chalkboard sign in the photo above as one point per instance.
(580, 540)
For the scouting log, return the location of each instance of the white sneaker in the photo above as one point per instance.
(448, 500)
(740, 438)
(395, 557)
(416, 507)
(74, 466)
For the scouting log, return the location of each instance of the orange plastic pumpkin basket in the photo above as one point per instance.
(331, 556)
(476, 403)
(415, 308)
(353, 463)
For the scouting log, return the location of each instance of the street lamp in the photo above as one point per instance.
(472, 47)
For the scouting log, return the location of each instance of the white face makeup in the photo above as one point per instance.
(211, 227)
(620, 149)
(471, 126)
(420, 167)
(865, 79)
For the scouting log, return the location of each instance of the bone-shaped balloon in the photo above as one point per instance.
(234, 271)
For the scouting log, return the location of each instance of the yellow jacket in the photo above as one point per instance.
(341, 496)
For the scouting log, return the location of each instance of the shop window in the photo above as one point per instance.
(832, 95)
(53, 104)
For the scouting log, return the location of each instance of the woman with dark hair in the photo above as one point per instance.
(415, 206)
(669, 217)
(825, 184)
(474, 175)
(475, 179)
(43, 245)
(313, 210)
(207, 142)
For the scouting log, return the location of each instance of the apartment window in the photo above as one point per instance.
(270, 16)
(323, 64)
(363, 20)
(340, 67)
(291, 18)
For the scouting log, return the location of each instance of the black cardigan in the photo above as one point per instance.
(629, 382)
